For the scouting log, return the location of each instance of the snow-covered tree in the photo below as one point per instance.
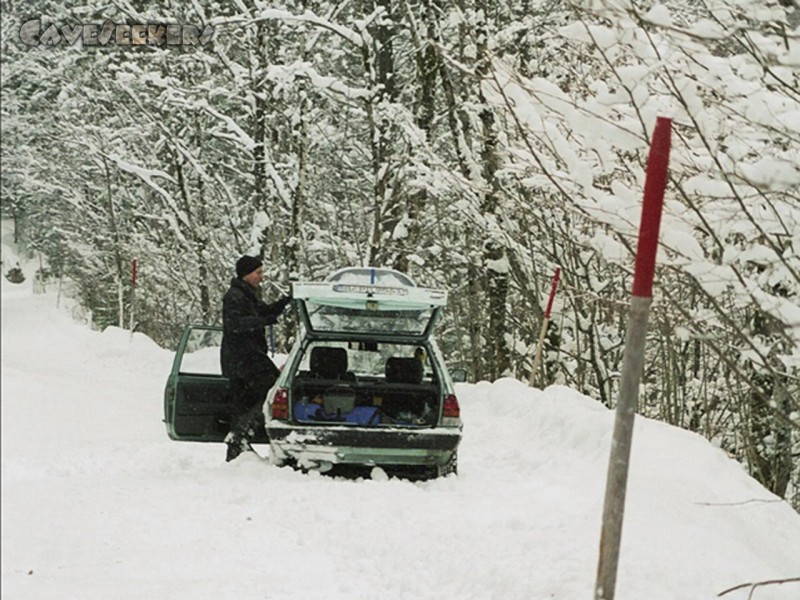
(476, 145)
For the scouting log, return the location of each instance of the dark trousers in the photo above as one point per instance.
(248, 399)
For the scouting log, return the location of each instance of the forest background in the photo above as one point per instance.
(476, 145)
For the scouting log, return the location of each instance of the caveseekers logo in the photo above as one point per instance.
(33, 33)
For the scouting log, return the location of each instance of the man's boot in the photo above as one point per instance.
(236, 445)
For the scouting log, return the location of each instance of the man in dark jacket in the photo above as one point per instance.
(244, 349)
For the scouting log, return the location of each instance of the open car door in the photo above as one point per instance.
(197, 401)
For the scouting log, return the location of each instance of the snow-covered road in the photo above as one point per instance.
(97, 502)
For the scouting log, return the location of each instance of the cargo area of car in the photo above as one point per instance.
(386, 391)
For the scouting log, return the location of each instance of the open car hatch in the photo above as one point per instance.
(368, 301)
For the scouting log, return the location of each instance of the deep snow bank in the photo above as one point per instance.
(98, 503)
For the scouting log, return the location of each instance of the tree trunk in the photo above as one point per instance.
(417, 199)
(769, 449)
(262, 92)
(379, 67)
(768, 435)
(495, 261)
(117, 251)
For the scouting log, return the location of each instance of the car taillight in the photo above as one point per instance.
(280, 404)
(451, 409)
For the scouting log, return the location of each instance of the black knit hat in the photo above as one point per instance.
(246, 265)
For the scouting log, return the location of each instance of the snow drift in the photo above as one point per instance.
(99, 504)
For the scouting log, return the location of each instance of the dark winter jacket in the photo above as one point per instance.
(244, 344)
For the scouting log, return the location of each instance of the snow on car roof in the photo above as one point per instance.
(371, 276)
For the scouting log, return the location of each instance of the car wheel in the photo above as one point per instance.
(451, 467)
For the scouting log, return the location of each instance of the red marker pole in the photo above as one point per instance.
(134, 268)
(633, 360)
(538, 357)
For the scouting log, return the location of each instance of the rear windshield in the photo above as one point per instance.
(350, 320)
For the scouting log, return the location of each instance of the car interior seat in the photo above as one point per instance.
(329, 363)
(403, 370)
(407, 399)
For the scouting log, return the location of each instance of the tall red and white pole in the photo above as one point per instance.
(633, 360)
(538, 356)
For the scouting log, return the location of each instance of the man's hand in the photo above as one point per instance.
(284, 301)
(269, 320)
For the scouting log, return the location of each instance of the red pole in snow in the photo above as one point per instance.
(553, 287)
(633, 360)
(133, 294)
(538, 357)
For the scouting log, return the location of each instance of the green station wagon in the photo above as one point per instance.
(364, 386)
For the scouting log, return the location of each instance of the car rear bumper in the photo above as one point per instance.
(336, 444)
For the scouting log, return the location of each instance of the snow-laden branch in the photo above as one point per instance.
(282, 73)
(147, 176)
(239, 134)
(352, 36)
(143, 173)
(357, 38)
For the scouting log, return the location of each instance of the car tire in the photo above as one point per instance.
(449, 468)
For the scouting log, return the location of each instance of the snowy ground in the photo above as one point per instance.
(97, 503)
